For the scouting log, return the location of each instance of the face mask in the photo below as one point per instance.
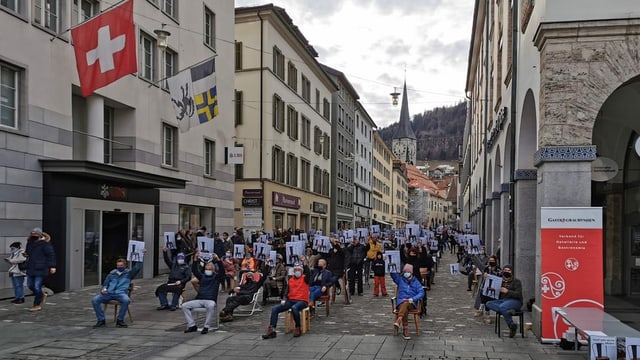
(506, 275)
(121, 268)
(406, 275)
(180, 261)
(228, 254)
(208, 272)
(492, 263)
(297, 274)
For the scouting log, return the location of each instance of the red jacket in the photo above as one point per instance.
(298, 289)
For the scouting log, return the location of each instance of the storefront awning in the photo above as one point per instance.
(382, 222)
(113, 173)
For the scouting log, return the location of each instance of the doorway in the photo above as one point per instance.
(115, 238)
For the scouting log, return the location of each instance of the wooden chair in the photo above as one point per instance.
(305, 321)
(415, 312)
(116, 304)
(326, 298)
(344, 290)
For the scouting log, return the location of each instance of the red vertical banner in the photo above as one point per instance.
(571, 264)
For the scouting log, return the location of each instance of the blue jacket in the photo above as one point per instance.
(408, 289)
(209, 285)
(322, 277)
(119, 283)
(40, 257)
(178, 272)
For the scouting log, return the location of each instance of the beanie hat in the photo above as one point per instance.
(15, 245)
(508, 266)
(180, 256)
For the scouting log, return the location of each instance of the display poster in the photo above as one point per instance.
(571, 251)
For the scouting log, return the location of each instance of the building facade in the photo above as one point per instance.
(363, 178)
(381, 194)
(400, 191)
(544, 106)
(99, 171)
(343, 115)
(283, 122)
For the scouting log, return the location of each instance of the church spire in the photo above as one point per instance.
(404, 130)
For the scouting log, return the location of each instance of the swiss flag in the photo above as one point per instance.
(105, 48)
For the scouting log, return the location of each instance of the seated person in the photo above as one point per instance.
(410, 292)
(510, 298)
(249, 263)
(207, 292)
(295, 297)
(179, 276)
(321, 280)
(229, 271)
(275, 278)
(116, 287)
(241, 295)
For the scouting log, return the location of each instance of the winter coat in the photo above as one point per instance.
(15, 259)
(116, 283)
(209, 285)
(41, 258)
(408, 289)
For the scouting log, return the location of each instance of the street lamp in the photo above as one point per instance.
(162, 36)
(394, 96)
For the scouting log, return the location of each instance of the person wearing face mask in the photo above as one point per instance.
(335, 264)
(295, 297)
(492, 268)
(321, 280)
(17, 275)
(510, 298)
(41, 263)
(116, 287)
(207, 296)
(241, 295)
(410, 292)
(274, 282)
(229, 271)
(179, 276)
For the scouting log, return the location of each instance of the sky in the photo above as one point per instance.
(376, 42)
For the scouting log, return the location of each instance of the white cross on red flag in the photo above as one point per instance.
(105, 48)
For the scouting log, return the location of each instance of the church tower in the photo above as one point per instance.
(403, 143)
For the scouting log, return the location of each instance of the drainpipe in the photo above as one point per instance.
(484, 122)
(264, 198)
(514, 103)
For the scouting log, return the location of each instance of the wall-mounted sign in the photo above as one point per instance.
(319, 207)
(113, 192)
(251, 201)
(235, 155)
(287, 201)
(252, 192)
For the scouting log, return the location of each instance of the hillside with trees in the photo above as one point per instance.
(439, 132)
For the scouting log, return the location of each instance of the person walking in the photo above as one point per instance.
(41, 263)
(17, 262)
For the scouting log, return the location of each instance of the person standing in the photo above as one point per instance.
(116, 287)
(510, 298)
(17, 275)
(355, 254)
(41, 262)
(378, 266)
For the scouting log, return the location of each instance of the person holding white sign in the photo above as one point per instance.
(179, 276)
(510, 298)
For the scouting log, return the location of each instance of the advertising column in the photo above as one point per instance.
(571, 264)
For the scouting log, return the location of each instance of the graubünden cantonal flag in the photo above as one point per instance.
(105, 48)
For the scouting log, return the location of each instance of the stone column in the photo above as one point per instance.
(524, 243)
(95, 128)
(488, 211)
(505, 223)
(497, 206)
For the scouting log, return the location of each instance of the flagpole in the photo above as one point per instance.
(187, 68)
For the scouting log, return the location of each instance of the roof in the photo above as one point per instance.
(404, 129)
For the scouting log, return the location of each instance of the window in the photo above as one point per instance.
(306, 132)
(306, 174)
(108, 134)
(278, 165)
(317, 100)
(147, 57)
(192, 217)
(278, 113)
(238, 55)
(306, 89)
(170, 67)
(209, 28)
(9, 96)
(292, 170)
(317, 145)
(209, 157)
(317, 180)
(292, 123)
(325, 183)
(11, 5)
(46, 13)
(238, 108)
(325, 108)
(169, 145)
(170, 7)
(292, 77)
(239, 168)
(326, 145)
(278, 63)
(84, 10)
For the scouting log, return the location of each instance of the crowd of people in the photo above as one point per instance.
(297, 285)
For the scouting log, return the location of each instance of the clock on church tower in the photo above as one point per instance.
(398, 149)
